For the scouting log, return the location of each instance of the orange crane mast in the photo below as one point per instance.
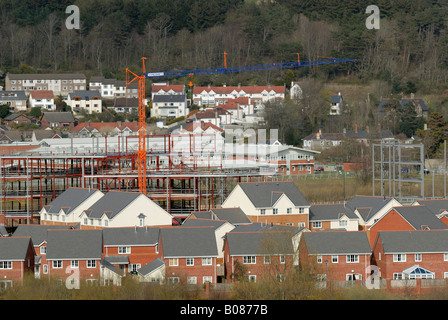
(141, 154)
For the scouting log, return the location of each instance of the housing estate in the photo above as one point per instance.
(101, 129)
(214, 96)
(60, 84)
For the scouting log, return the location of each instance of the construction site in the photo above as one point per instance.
(182, 173)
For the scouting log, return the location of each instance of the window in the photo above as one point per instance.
(173, 280)
(317, 224)
(252, 278)
(190, 261)
(192, 280)
(206, 261)
(133, 267)
(274, 211)
(445, 257)
(263, 211)
(57, 264)
(124, 250)
(5, 264)
(267, 259)
(174, 262)
(342, 223)
(289, 210)
(249, 260)
(282, 259)
(334, 259)
(301, 210)
(352, 258)
(43, 250)
(418, 257)
(319, 259)
(45, 268)
(74, 264)
(207, 279)
(399, 257)
(91, 263)
(398, 276)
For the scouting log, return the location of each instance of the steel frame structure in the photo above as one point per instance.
(29, 182)
(399, 166)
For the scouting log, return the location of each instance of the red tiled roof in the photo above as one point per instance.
(204, 126)
(102, 125)
(246, 89)
(42, 94)
(166, 88)
(211, 113)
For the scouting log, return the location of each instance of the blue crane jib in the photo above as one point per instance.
(283, 65)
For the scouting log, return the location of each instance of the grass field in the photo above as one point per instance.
(324, 188)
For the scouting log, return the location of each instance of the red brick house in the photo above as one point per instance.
(419, 254)
(61, 120)
(131, 248)
(258, 254)
(406, 218)
(189, 254)
(335, 255)
(16, 260)
(75, 255)
(38, 235)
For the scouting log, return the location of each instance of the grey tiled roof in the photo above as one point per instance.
(436, 206)
(74, 244)
(12, 95)
(203, 223)
(59, 116)
(12, 248)
(151, 267)
(37, 232)
(188, 242)
(111, 204)
(169, 98)
(336, 242)
(367, 206)
(420, 217)
(414, 241)
(130, 236)
(45, 76)
(330, 212)
(259, 243)
(233, 215)
(86, 94)
(262, 194)
(70, 199)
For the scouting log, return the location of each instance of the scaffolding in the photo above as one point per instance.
(399, 169)
(180, 178)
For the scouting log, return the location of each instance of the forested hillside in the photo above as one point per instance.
(407, 55)
(409, 50)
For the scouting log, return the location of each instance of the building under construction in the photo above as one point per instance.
(184, 173)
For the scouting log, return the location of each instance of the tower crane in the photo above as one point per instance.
(141, 154)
